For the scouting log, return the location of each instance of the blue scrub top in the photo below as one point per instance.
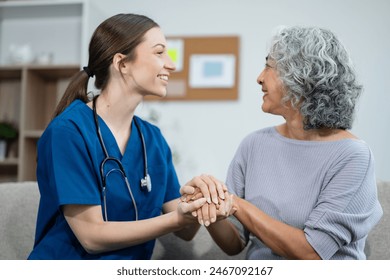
(68, 172)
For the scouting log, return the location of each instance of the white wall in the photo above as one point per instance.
(206, 134)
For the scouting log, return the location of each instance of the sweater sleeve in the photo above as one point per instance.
(235, 182)
(347, 208)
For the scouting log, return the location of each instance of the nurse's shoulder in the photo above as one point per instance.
(76, 118)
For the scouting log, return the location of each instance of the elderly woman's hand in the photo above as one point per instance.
(219, 204)
(210, 187)
(210, 213)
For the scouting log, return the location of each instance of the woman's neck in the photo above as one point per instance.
(293, 129)
(117, 108)
(117, 111)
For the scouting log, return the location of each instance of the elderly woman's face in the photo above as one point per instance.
(272, 87)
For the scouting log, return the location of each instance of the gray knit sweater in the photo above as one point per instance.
(328, 189)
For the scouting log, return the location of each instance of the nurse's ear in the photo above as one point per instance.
(119, 63)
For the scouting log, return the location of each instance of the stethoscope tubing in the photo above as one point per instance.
(145, 182)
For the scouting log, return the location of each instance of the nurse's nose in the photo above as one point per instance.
(169, 64)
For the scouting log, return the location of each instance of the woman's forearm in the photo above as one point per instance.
(282, 239)
(227, 237)
(188, 232)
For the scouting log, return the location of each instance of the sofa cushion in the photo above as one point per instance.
(18, 208)
(378, 241)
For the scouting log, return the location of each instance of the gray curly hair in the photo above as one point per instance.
(318, 75)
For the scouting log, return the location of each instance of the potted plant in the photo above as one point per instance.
(8, 133)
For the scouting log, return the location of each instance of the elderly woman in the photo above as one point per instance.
(304, 189)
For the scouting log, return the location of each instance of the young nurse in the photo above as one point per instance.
(107, 183)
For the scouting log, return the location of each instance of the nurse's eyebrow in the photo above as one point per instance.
(159, 44)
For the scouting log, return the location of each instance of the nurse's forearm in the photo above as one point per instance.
(97, 236)
(120, 235)
(108, 236)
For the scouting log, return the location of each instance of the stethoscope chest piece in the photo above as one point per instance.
(146, 183)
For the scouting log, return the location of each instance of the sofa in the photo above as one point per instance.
(18, 210)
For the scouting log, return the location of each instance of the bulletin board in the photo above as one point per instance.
(187, 85)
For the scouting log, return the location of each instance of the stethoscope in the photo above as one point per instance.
(146, 182)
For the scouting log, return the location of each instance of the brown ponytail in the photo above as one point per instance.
(77, 89)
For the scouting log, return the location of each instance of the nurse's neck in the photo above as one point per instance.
(118, 114)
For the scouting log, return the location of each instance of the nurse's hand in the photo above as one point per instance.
(205, 186)
(217, 207)
(186, 210)
(210, 213)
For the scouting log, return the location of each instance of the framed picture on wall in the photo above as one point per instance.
(212, 71)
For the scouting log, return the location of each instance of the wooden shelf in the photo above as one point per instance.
(29, 95)
(10, 72)
(37, 3)
(54, 27)
(30, 92)
(34, 134)
(8, 170)
(9, 162)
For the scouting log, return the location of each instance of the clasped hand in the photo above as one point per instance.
(219, 201)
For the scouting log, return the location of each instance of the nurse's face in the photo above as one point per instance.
(149, 72)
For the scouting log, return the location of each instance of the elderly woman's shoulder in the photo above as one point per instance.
(257, 136)
(355, 149)
(263, 132)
